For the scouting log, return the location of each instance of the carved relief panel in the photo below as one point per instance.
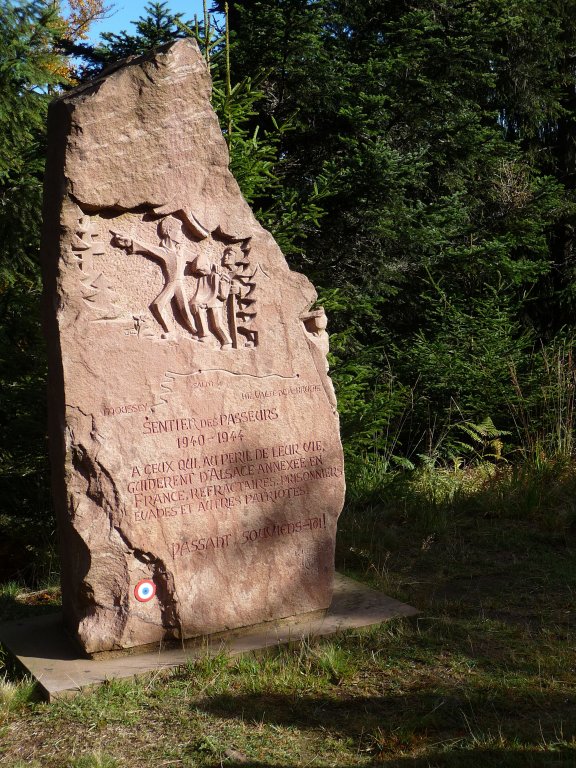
(184, 281)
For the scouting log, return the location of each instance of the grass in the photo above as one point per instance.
(485, 676)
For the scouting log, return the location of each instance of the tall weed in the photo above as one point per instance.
(543, 405)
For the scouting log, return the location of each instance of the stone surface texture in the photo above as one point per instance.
(197, 466)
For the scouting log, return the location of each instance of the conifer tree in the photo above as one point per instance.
(158, 26)
(446, 131)
(29, 70)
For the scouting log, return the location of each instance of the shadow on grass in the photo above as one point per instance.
(500, 541)
(484, 758)
(40, 603)
(434, 497)
(382, 726)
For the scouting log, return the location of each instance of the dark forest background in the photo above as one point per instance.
(416, 159)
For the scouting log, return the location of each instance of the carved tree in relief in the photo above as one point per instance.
(97, 291)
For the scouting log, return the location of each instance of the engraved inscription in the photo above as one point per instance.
(285, 529)
(203, 427)
(203, 544)
(170, 488)
(114, 410)
(249, 536)
(168, 383)
(298, 389)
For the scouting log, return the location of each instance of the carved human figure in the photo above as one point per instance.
(315, 323)
(215, 289)
(173, 258)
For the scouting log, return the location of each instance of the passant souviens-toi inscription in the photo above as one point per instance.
(197, 463)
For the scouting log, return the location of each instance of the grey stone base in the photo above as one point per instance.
(41, 645)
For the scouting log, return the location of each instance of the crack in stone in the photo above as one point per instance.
(164, 580)
(93, 470)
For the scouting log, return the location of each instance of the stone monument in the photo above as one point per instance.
(197, 465)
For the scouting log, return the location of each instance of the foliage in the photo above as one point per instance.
(543, 406)
(13, 695)
(29, 69)
(157, 27)
(443, 132)
(81, 14)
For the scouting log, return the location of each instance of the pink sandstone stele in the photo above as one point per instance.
(197, 465)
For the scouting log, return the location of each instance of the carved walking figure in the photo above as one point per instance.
(173, 259)
(215, 289)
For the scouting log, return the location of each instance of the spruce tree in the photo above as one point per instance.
(29, 71)
(445, 132)
(158, 26)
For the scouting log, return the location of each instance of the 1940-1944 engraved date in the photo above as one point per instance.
(200, 431)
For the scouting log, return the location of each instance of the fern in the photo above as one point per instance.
(486, 439)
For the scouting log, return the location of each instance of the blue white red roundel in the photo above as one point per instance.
(144, 590)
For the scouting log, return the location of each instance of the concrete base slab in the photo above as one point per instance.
(47, 653)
